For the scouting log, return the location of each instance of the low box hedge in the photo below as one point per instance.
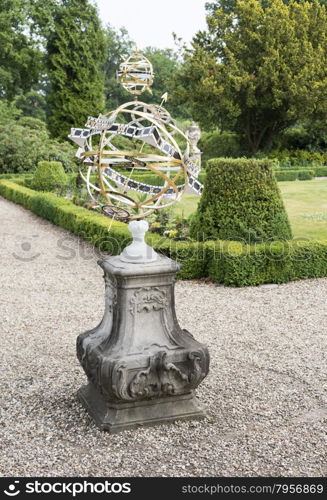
(229, 262)
(321, 171)
(293, 175)
(239, 264)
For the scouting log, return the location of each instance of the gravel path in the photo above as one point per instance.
(265, 394)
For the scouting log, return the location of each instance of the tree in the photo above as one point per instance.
(258, 69)
(32, 104)
(75, 58)
(20, 56)
(229, 5)
(165, 65)
(225, 5)
(118, 47)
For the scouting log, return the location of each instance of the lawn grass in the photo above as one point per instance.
(306, 205)
(305, 201)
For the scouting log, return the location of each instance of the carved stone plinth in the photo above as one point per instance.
(141, 366)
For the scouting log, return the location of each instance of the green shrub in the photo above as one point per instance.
(25, 142)
(298, 157)
(190, 254)
(296, 137)
(49, 175)
(10, 176)
(237, 264)
(228, 262)
(31, 123)
(321, 171)
(240, 201)
(286, 175)
(310, 135)
(216, 144)
(293, 175)
(306, 175)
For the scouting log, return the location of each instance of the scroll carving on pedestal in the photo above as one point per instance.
(159, 379)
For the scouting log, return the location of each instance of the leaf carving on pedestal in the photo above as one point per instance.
(148, 299)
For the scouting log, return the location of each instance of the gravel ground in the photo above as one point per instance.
(265, 394)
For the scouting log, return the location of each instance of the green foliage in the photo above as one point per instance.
(241, 201)
(75, 56)
(321, 171)
(21, 60)
(306, 175)
(16, 177)
(316, 129)
(166, 223)
(25, 142)
(32, 104)
(165, 65)
(228, 262)
(219, 144)
(8, 112)
(191, 255)
(236, 264)
(49, 176)
(298, 157)
(286, 175)
(118, 47)
(293, 175)
(259, 69)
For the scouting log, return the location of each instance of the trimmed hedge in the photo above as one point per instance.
(286, 175)
(321, 171)
(227, 262)
(241, 201)
(306, 175)
(293, 175)
(48, 176)
(237, 264)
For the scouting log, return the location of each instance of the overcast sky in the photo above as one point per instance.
(151, 22)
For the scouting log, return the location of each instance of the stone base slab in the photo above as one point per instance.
(115, 417)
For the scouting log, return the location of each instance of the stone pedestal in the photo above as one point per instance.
(141, 366)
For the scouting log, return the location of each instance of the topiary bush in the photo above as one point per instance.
(241, 201)
(49, 176)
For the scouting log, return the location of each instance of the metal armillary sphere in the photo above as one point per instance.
(136, 137)
(136, 74)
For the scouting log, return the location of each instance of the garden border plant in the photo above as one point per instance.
(229, 262)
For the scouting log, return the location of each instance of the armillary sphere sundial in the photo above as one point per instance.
(152, 143)
(142, 368)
